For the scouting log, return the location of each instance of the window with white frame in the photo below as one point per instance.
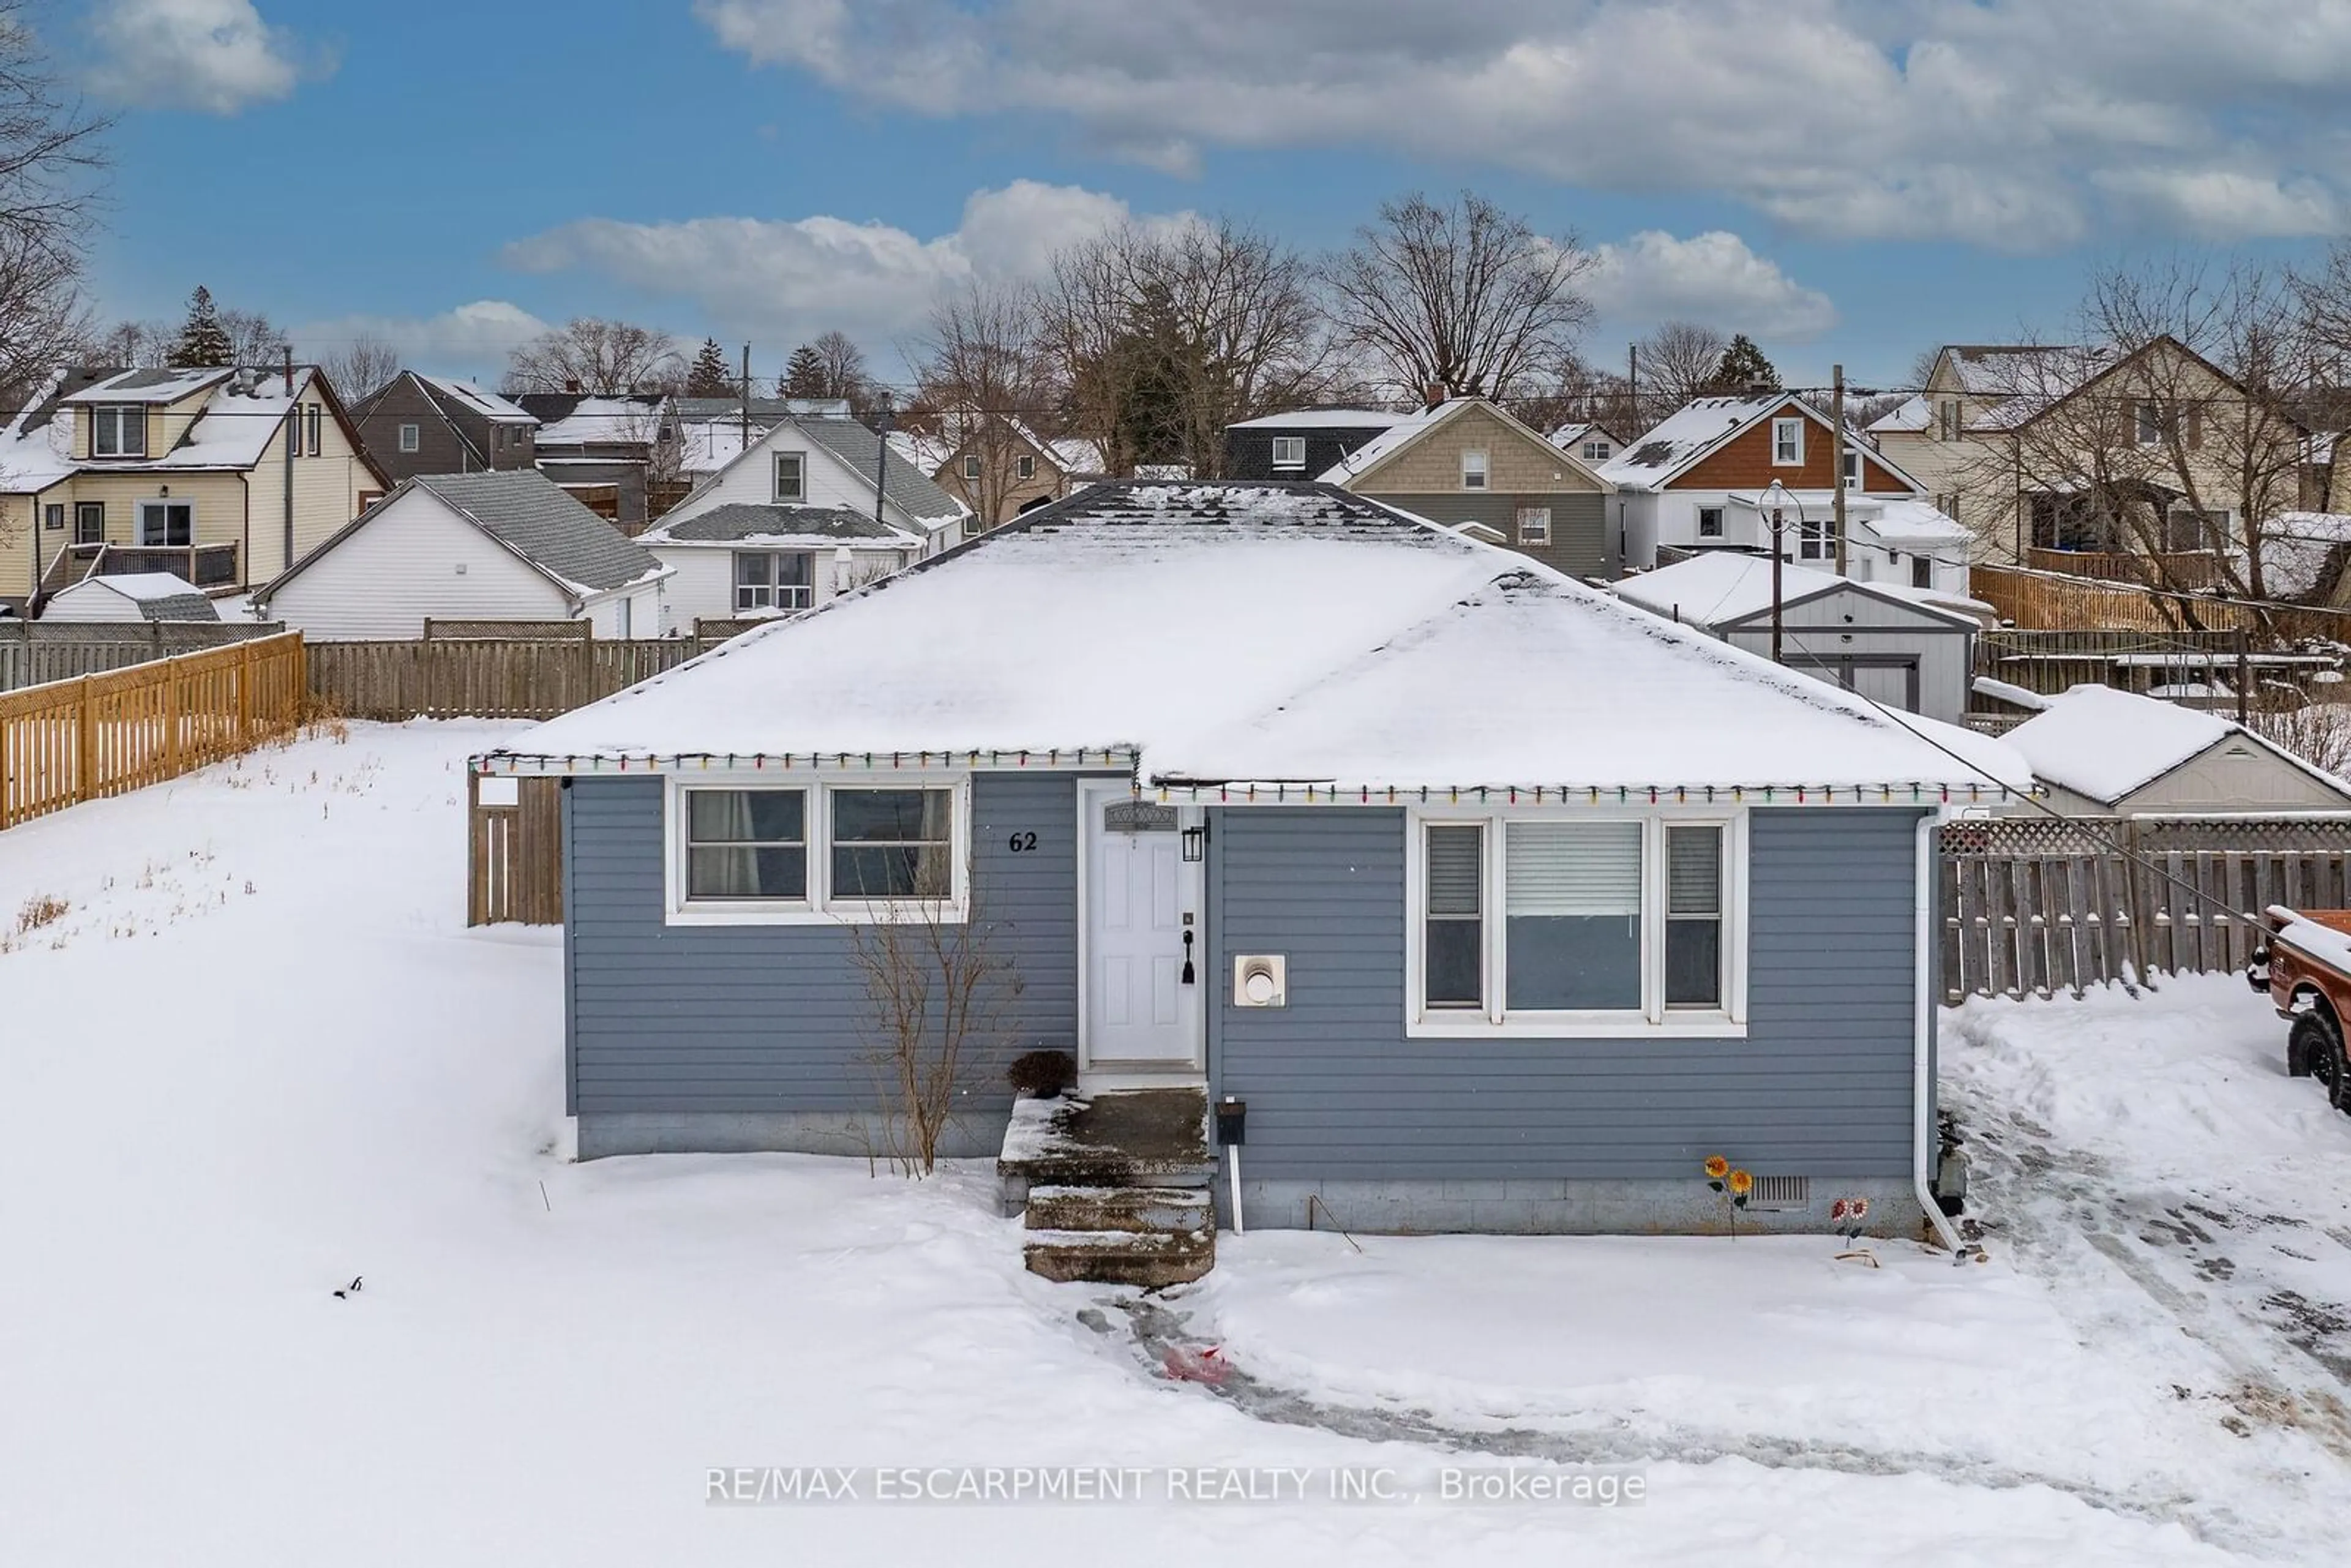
(1538, 925)
(2149, 423)
(971, 466)
(774, 579)
(118, 431)
(1709, 522)
(1473, 470)
(315, 415)
(1787, 442)
(1597, 451)
(1289, 452)
(1852, 469)
(1947, 420)
(167, 524)
(862, 850)
(89, 522)
(1025, 466)
(1817, 537)
(411, 437)
(1534, 524)
(791, 476)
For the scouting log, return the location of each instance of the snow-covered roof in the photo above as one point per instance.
(1325, 639)
(1322, 419)
(1686, 434)
(578, 418)
(1906, 520)
(1568, 437)
(1076, 457)
(741, 522)
(151, 385)
(2105, 743)
(1409, 428)
(927, 453)
(36, 446)
(486, 403)
(1912, 414)
(708, 445)
(160, 596)
(2299, 550)
(1721, 587)
(906, 485)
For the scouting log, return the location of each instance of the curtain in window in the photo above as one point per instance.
(747, 844)
(1573, 916)
(893, 844)
(1453, 949)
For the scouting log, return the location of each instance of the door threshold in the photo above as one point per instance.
(1142, 1076)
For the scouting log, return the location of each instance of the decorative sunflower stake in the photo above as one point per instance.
(1847, 1214)
(1735, 1185)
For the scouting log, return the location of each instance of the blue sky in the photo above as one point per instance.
(1844, 179)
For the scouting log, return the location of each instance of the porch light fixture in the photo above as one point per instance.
(1196, 844)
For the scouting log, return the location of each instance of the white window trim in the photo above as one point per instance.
(139, 521)
(125, 414)
(1296, 443)
(1484, 470)
(1653, 1019)
(1597, 451)
(774, 479)
(774, 585)
(1541, 533)
(411, 437)
(818, 908)
(1779, 424)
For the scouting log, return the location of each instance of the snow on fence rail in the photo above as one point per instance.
(70, 741)
(35, 652)
(2032, 907)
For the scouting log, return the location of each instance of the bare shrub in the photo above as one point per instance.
(938, 1013)
(2318, 733)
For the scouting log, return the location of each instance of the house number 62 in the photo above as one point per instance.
(1023, 842)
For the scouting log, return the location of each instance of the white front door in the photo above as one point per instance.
(1141, 901)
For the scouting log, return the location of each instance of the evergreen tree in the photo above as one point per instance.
(202, 341)
(1743, 367)
(708, 375)
(804, 373)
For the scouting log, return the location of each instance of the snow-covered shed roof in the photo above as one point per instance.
(581, 419)
(1236, 634)
(160, 596)
(1904, 520)
(1721, 588)
(738, 522)
(2105, 743)
(1322, 419)
(527, 513)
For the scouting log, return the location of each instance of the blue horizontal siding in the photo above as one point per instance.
(680, 1019)
(1819, 1086)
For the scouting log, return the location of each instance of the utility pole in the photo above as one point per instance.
(1836, 417)
(881, 457)
(747, 397)
(1632, 384)
(1778, 525)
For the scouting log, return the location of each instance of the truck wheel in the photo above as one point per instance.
(2310, 1048)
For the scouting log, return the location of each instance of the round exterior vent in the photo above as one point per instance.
(1260, 980)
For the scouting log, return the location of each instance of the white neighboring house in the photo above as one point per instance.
(802, 479)
(2104, 752)
(1889, 644)
(503, 546)
(1697, 480)
(131, 596)
(741, 560)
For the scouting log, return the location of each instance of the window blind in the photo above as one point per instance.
(1455, 870)
(1574, 868)
(1693, 871)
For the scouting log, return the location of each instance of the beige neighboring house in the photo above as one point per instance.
(998, 466)
(1468, 464)
(220, 476)
(2139, 466)
(2106, 753)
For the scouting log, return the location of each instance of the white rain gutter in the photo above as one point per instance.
(1925, 1138)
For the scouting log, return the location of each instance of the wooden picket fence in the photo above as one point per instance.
(38, 653)
(514, 857)
(2032, 907)
(70, 741)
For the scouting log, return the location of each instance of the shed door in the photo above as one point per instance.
(1142, 899)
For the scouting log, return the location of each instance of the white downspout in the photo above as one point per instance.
(1924, 1139)
(1233, 1154)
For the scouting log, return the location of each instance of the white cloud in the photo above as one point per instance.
(1712, 277)
(2017, 124)
(216, 56)
(472, 341)
(782, 278)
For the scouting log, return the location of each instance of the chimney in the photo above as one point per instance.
(289, 369)
(1433, 393)
(573, 385)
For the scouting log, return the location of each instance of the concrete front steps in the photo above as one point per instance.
(1119, 1235)
(1113, 1189)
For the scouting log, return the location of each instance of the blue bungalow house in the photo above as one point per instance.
(1498, 904)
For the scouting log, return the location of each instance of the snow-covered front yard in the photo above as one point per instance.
(258, 1056)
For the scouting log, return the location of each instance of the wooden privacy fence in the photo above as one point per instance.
(2031, 906)
(2048, 599)
(35, 652)
(514, 857)
(485, 677)
(76, 740)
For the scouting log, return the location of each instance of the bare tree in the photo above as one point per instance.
(252, 338)
(51, 151)
(841, 366)
(1467, 297)
(132, 345)
(1167, 336)
(939, 1011)
(973, 370)
(591, 355)
(360, 366)
(1678, 361)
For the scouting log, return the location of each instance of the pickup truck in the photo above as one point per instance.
(2304, 964)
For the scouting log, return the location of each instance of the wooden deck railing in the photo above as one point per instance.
(76, 740)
